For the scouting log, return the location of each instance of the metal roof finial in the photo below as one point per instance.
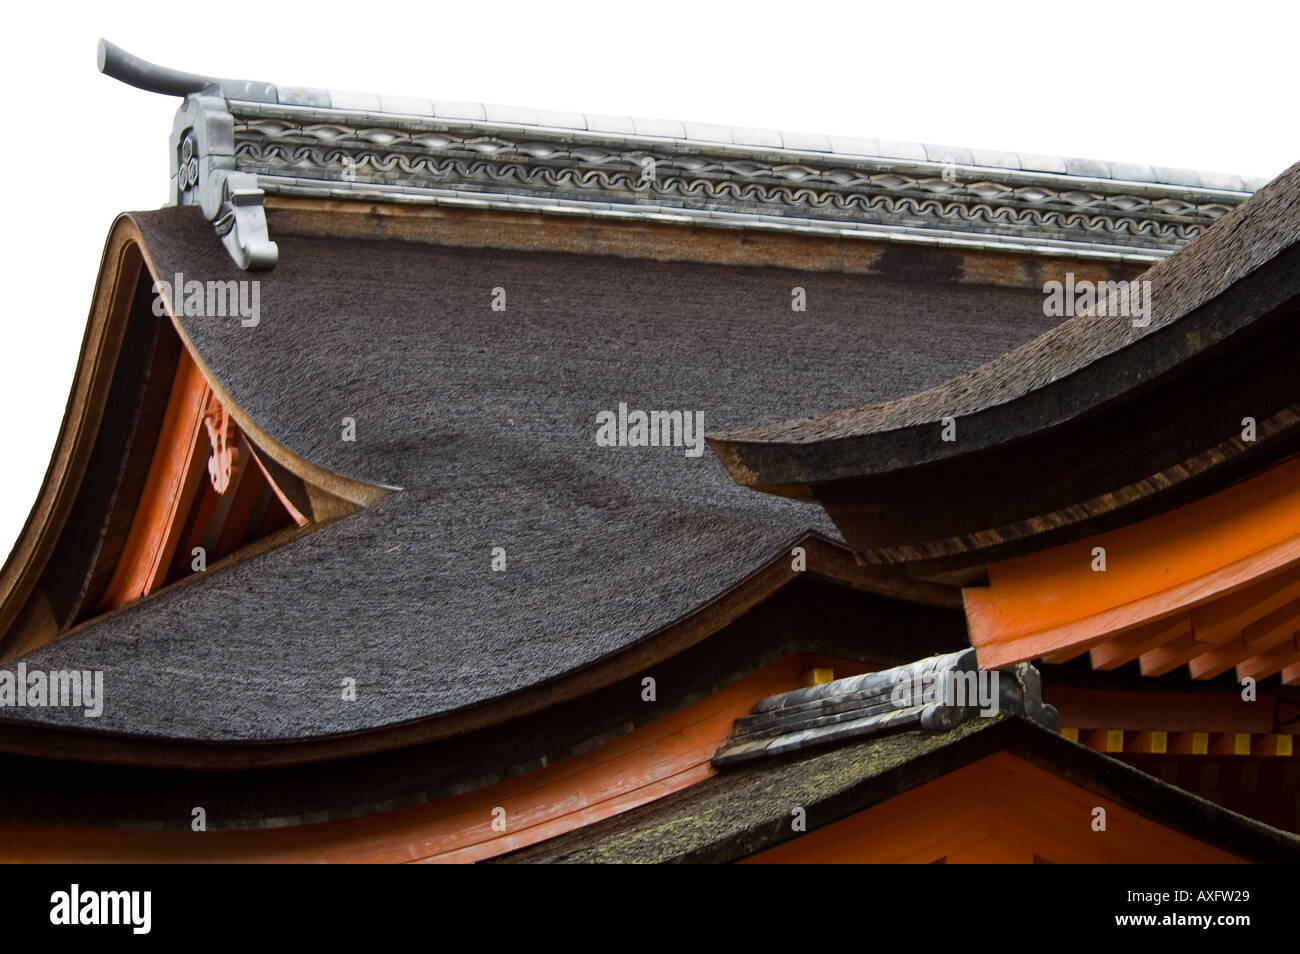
(122, 66)
(203, 170)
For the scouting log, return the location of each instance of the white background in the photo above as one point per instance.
(1206, 86)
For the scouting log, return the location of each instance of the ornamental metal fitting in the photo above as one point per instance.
(203, 169)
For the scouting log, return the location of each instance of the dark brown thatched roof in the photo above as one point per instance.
(1095, 422)
(485, 421)
(244, 786)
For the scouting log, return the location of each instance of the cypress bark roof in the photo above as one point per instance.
(486, 421)
(1167, 398)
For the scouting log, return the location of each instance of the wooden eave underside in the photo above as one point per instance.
(245, 795)
(825, 560)
(328, 496)
(1214, 585)
(533, 231)
(1150, 426)
(207, 487)
(665, 756)
(27, 619)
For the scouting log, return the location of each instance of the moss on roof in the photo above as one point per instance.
(739, 813)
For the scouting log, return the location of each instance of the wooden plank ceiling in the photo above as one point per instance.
(1214, 585)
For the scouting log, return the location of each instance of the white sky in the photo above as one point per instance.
(1206, 86)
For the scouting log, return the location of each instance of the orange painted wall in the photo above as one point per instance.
(999, 810)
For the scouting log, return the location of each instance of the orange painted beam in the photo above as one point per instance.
(655, 760)
(1189, 743)
(1149, 742)
(1266, 664)
(1220, 659)
(1274, 628)
(1274, 745)
(1123, 649)
(1229, 743)
(163, 504)
(1228, 616)
(1230, 560)
(1175, 653)
(1136, 710)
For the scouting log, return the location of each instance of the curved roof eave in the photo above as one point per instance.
(487, 426)
(125, 254)
(1212, 302)
(826, 559)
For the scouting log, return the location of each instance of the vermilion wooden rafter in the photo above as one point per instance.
(200, 491)
(43, 594)
(1213, 585)
(164, 502)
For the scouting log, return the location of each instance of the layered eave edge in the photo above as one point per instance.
(1168, 397)
(25, 615)
(743, 813)
(332, 496)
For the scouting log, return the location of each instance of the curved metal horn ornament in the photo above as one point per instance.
(203, 168)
